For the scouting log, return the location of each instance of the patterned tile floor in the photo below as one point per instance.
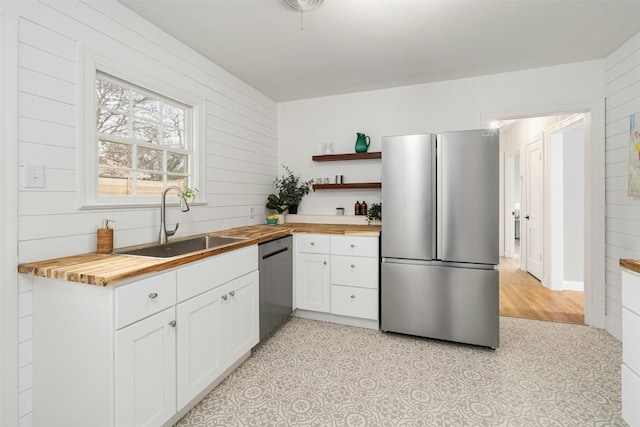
(313, 373)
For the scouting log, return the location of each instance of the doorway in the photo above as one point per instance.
(544, 198)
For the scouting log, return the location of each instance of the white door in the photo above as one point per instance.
(243, 323)
(201, 343)
(145, 371)
(312, 282)
(533, 217)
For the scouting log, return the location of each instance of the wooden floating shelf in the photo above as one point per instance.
(350, 156)
(350, 185)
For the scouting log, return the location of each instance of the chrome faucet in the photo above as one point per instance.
(184, 207)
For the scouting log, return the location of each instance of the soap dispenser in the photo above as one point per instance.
(105, 238)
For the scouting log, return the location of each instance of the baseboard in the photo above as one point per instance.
(569, 285)
(334, 318)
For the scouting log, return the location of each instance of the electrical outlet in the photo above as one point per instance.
(34, 176)
(252, 212)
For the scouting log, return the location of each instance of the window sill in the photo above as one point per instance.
(96, 206)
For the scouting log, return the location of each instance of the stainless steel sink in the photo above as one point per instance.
(180, 247)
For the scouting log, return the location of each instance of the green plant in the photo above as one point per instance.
(190, 192)
(278, 202)
(374, 213)
(292, 186)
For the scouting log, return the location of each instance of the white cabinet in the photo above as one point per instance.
(142, 352)
(201, 356)
(242, 316)
(631, 347)
(337, 275)
(145, 371)
(354, 276)
(312, 282)
(215, 329)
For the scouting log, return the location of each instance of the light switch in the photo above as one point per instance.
(34, 176)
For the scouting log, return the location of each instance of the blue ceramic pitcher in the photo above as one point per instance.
(362, 143)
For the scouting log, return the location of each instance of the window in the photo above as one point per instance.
(143, 141)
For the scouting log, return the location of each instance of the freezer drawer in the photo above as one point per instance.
(453, 304)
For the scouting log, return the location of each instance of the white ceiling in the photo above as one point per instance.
(356, 45)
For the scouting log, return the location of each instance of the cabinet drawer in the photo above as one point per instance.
(312, 243)
(354, 245)
(210, 273)
(354, 271)
(354, 302)
(145, 297)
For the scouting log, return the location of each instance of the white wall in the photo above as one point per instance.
(303, 126)
(573, 207)
(241, 137)
(622, 88)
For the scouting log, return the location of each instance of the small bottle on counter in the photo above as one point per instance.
(105, 238)
(357, 208)
(363, 208)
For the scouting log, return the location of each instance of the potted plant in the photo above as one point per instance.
(190, 194)
(278, 203)
(293, 188)
(374, 213)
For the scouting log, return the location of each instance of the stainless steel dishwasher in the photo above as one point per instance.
(276, 283)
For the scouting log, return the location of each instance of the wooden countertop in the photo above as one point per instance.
(631, 264)
(102, 270)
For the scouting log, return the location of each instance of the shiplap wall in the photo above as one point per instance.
(622, 88)
(241, 138)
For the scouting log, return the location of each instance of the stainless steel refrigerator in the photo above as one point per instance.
(439, 272)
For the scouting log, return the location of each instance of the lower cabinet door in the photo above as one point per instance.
(145, 371)
(313, 282)
(243, 327)
(201, 346)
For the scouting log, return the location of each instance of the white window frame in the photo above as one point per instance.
(88, 146)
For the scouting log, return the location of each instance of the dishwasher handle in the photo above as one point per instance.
(279, 251)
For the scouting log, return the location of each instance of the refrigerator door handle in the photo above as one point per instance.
(437, 183)
(436, 263)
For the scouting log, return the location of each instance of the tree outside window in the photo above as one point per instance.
(143, 144)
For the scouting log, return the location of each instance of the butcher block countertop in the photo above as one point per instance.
(102, 270)
(631, 264)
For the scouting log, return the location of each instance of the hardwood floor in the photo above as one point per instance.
(522, 295)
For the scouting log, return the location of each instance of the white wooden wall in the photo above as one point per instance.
(241, 138)
(622, 87)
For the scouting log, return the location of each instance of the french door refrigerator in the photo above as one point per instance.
(439, 270)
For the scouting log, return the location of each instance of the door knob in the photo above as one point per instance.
(172, 323)
(153, 295)
(232, 293)
(224, 297)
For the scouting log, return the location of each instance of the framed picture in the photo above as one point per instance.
(634, 156)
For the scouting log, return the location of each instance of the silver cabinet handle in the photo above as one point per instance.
(353, 246)
(353, 296)
(224, 297)
(153, 295)
(232, 293)
(353, 266)
(172, 323)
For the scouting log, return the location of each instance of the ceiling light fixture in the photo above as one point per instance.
(303, 6)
